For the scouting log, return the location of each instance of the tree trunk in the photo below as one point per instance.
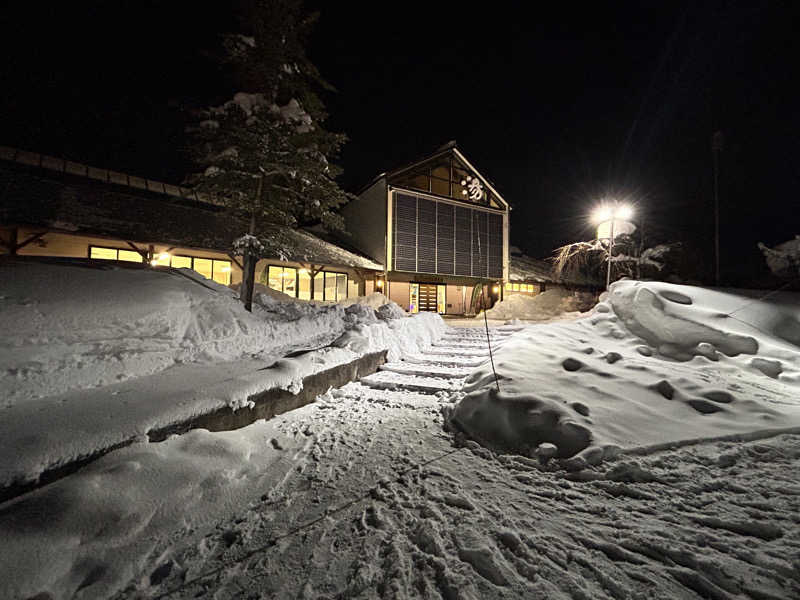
(248, 280)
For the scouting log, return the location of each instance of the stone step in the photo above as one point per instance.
(446, 360)
(455, 351)
(386, 380)
(427, 370)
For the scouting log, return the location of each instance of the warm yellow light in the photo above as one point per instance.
(496, 289)
(379, 283)
(154, 262)
(226, 269)
(163, 256)
(303, 271)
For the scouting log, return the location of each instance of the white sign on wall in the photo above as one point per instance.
(474, 188)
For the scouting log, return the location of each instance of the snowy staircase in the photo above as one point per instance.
(443, 366)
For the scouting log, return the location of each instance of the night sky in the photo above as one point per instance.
(558, 106)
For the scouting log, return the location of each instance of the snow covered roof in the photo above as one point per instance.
(33, 194)
(525, 268)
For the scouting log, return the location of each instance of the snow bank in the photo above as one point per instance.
(75, 327)
(547, 305)
(655, 363)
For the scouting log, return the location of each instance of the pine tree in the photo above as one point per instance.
(265, 153)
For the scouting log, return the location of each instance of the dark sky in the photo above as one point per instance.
(559, 106)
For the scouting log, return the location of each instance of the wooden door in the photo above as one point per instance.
(427, 297)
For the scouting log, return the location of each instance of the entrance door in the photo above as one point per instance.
(427, 297)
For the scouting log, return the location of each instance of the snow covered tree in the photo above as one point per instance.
(264, 153)
(784, 259)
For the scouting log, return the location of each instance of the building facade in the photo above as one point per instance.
(50, 207)
(439, 227)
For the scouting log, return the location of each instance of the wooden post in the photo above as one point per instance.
(250, 259)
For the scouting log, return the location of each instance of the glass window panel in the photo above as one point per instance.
(441, 300)
(330, 287)
(130, 256)
(203, 266)
(290, 281)
(515, 287)
(103, 253)
(181, 262)
(508, 286)
(222, 272)
(319, 286)
(161, 259)
(274, 278)
(440, 186)
(352, 288)
(304, 285)
(341, 286)
(413, 300)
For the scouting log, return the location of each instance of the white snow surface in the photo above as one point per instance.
(655, 363)
(71, 327)
(551, 303)
(363, 494)
(100, 356)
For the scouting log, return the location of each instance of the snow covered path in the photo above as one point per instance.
(714, 520)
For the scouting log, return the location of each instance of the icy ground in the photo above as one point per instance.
(364, 495)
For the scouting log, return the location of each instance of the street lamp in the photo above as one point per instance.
(614, 217)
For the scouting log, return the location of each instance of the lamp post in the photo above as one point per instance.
(610, 214)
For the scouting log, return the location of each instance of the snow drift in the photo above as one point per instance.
(655, 363)
(74, 326)
(547, 305)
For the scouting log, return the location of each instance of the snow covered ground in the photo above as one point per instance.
(98, 356)
(553, 304)
(367, 493)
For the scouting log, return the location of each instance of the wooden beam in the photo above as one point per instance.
(13, 246)
(135, 247)
(236, 262)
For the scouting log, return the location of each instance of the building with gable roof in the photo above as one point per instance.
(439, 227)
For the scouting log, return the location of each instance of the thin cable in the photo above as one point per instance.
(485, 318)
(767, 295)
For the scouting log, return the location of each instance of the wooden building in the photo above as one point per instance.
(58, 208)
(439, 227)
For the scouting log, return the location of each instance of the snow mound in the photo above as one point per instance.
(74, 326)
(390, 311)
(654, 364)
(548, 304)
(374, 300)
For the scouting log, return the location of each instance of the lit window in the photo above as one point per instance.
(181, 262)
(319, 286)
(414, 298)
(352, 288)
(161, 259)
(304, 285)
(441, 302)
(515, 287)
(204, 267)
(283, 279)
(103, 253)
(222, 272)
(508, 286)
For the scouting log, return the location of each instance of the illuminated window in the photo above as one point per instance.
(441, 302)
(102, 253)
(162, 259)
(304, 285)
(204, 266)
(222, 272)
(352, 288)
(508, 286)
(330, 287)
(319, 287)
(414, 298)
(283, 279)
(515, 287)
(181, 262)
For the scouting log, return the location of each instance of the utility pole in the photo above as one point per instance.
(717, 142)
(610, 250)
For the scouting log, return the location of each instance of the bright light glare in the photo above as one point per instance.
(163, 256)
(601, 214)
(605, 213)
(623, 212)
